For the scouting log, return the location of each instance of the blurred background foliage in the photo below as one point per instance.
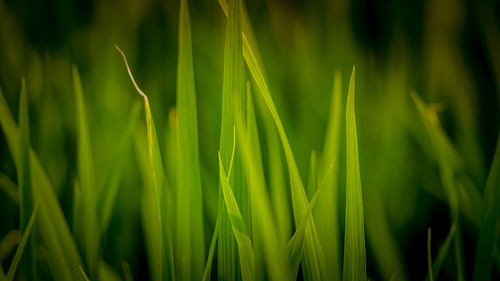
(448, 51)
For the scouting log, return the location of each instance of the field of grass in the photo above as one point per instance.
(249, 140)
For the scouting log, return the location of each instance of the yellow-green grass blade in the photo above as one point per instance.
(442, 148)
(441, 256)
(311, 182)
(266, 236)
(22, 244)
(9, 187)
(233, 84)
(483, 262)
(295, 245)
(55, 235)
(354, 241)
(109, 190)
(211, 252)
(160, 194)
(106, 272)
(24, 182)
(190, 244)
(84, 274)
(9, 241)
(240, 231)
(89, 237)
(326, 213)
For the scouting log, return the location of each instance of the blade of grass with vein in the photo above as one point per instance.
(108, 192)
(483, 263)
(24, 181)
(90, 236)
(190, 245)
(160, 193)
(233, 84)
(22, 244)
(55, 235)
(326, 213)
(241, 234)
(354, 241)
(442, 254)
(265, 235)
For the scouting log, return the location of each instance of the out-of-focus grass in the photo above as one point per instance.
(155, 194)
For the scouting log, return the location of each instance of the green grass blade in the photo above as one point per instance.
(429, 258)
(266, 236)
(8, 242)
(90, 236)
(9, 187)
(106, 272)
(24, 181)
(55, 235)
(233, 84)
(326, 213)
(311, 182)
(190, 244)
(211, 251)
(160, 193)
(483, 263)
(354, 241)
(240, 231)
(22, 244)
(84, 274)
(442, 254)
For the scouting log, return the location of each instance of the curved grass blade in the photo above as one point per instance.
(354, 241)
(241, 234)
(89, 237)
(22, 244)
(55, 235)
(24, 181)
(483, 263)
(190, 244)
(160, 194)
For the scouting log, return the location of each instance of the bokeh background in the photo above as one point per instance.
(448, 51)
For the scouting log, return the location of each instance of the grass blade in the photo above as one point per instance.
(246, 253)
(24, 181)
(483, 263)
(190, 245)
(211, 251)
(9, 187)
(89, 238)
(354, 244)
(442, 254)
(22, 244)
(55, 235)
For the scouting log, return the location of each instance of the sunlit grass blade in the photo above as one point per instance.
(160, 195)
(265, 234)
(89, 237)
(326, 213)
(109, 191)
(442, 254)
(483, 263)
(240, 231)
(233, 84)
(190, 244)
(22, 244)
(60, 247)
(24, 182)
(311, 182)
(85, 277)
(354, 241)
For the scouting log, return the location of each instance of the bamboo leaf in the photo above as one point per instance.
(354, 242)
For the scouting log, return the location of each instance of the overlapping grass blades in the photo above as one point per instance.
(61, 250)
(24, 182)
(190, 244)
(483, 262)
(164, 256)
(89, 234)
(326, 213)
(354, 241)
(233, 84)
(442, 254)
(22, 244)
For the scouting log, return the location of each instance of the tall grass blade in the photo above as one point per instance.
(24, 182)
(354, 241)
(89, 237)
(233, 84)
(483, 263)
(55, 235)
(190, 245)
(160, 193)
(22, 244)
